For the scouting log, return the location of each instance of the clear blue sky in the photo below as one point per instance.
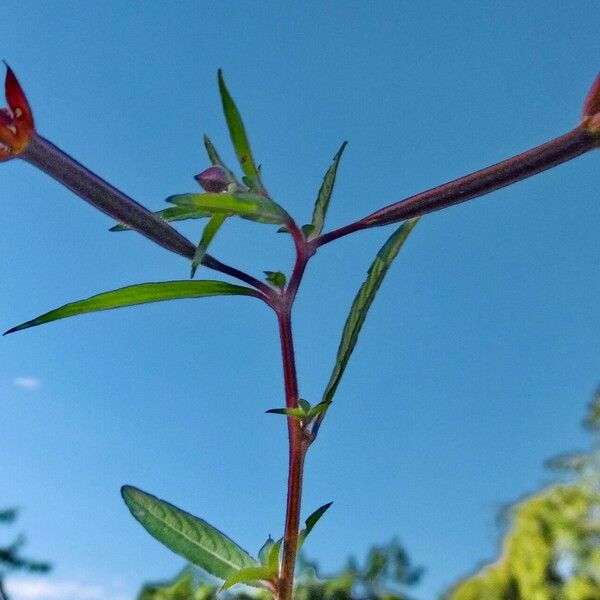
(478, 356)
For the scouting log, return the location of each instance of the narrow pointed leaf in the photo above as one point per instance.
(186, 535)
(324, 196)
(139, 294)
(173, 213)
(248, 575)
(246, 205)
(215, 159)
(313, 519)
(239, 138)
(211, 229)
(263, 553)
(362, 303)
(298, 413)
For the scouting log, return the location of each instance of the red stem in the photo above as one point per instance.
(102, 195)
(564, 148)
(298, 446)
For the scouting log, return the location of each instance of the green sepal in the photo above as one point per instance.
(187, 535)
(249, 576)
(142, 293)
(276, 278)
(283, 229)
(173, 213)
(243, 204)
(209, 232)
(324, 196)
(239, 138)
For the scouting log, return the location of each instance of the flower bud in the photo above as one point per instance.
(214, 180)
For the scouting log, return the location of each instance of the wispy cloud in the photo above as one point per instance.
(27, 383)
(38, 589)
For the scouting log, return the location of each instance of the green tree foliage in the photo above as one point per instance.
(552, 548)
(385, 574)
(10, 555)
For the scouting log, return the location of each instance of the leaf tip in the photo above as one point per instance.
(15, 329)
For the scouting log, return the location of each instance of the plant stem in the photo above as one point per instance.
(47, 157)
(298, 446)
(564, 148)
(298, 440)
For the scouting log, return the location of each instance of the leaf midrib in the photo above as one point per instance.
(193, 542)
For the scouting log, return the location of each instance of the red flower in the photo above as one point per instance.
(16, 122)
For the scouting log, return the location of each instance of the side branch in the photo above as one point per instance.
(47, 157)
(564, 148)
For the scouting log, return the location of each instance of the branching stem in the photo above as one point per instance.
(548, 155)
(47, 157)
(555, 152)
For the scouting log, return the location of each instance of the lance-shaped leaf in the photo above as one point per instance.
(297, 413)
(322, 203)
(246, 205)
(142, 293)
(312, 520)
(239, 139)
(215, 159)
(249, 576)
(211, 229)
(173, 213)
(362, 303)
(186, 535)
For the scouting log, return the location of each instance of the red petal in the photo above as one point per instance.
(17, 101)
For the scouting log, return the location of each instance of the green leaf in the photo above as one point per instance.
(362, 303)
(210, 230)
(307, 230)
(249, 576)
(215, 159)
(273, 560)
(243, 204)
(239, 138)
(186, 535)
(263, 553)
(318, 409)
(173, 213)
(139, 294)
(324, 196)
(312, 520)
(304, 405)
(276, 278)
(298, 413)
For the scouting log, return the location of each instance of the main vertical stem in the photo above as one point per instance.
(297, 453)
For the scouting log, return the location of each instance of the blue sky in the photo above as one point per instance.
(477, 358)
